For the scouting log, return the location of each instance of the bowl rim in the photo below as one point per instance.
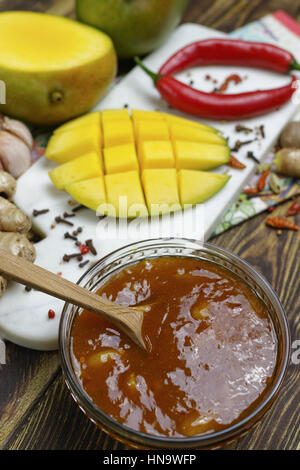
(121, 431)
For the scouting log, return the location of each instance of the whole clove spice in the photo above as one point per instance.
(241, 128)
(36, 212)
(67, 257)
(77, 208)
(60, 220)
(251, 155)
(84, 263)
(89, 243)
(66, 215)
(240, 144)
(71, 237)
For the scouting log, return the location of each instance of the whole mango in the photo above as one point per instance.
(53, 68)
(135, 26)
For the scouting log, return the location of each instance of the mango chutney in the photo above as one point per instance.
(212, 349)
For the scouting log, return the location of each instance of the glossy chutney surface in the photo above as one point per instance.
(212, 349)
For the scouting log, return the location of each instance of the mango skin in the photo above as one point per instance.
(136, 26)
(55, 96)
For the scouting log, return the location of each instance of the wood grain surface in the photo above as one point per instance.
(36, 409)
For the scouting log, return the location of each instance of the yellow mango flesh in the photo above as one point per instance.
(142, 168)
(156, 154)
(125, 195)
(161, 191)
(85, 120)
(117, 132)
(152, 130)
(120, 158)
(79, 140)
(198, 186)
(171, 119)
(200, 156)
(81, 168)
(90, 192)
(54, 68)
(193, 134)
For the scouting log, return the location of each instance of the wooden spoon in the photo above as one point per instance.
(127, 319)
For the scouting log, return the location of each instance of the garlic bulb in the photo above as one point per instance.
(18, 129)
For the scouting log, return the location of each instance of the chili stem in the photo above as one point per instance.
(155, 76)
(294, 65)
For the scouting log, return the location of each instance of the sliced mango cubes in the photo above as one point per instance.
(134, 164)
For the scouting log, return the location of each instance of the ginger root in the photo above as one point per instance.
(13, 219)
(8, 184)
(14, 225)
(18, 245)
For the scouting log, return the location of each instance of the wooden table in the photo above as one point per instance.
(36, 409)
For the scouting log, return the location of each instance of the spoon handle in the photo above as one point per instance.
(38, 278)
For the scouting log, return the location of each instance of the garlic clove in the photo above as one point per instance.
(18, 129)
(15, 155)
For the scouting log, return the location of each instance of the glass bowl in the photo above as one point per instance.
(148, 249)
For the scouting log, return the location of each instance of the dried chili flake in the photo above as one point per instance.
(281, 223)
(232, 78)
(235, 163)
(263, 180)
(293, 209)
(250, 191)
(51, 314)
(84, 249)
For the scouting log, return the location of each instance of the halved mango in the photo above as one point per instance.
(125, 195)
(156, 154)
(120, 158)
(198, 186)
(161, 191)
(117, 132)
(150, 164)
(194, 134)
(55, 68)
(81, 168)
(199, 156)
(90, 192)
(79, 140)
(85, 120)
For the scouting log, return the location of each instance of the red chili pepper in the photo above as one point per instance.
(280, 222)
(262, 180)
(293, 209)
(216, 105)
(250, 191)
(235, 163)
(220, 51)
